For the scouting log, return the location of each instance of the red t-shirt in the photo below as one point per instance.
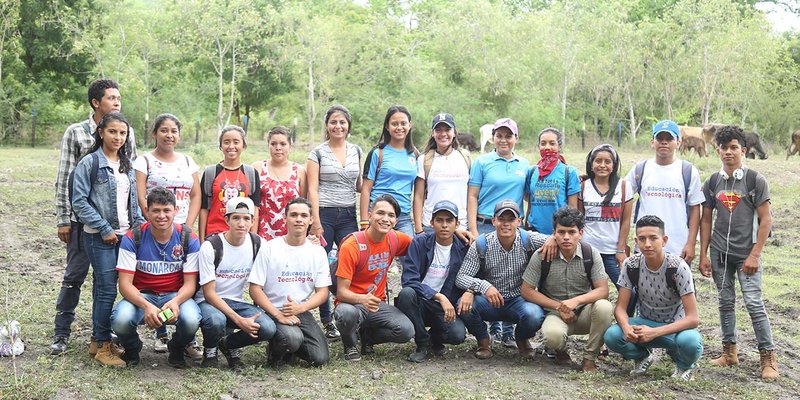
(378, 265)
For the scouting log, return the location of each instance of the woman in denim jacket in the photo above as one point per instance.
(104, 200)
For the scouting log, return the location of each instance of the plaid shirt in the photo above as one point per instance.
(75, 143)
(503, 268)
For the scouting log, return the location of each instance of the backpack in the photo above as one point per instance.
(210, 174)
(480, 246)
(750, 187)
(686, 172)
(92, 176)
(588, 263)
(186, 237)
(430, 154)
(363, 254)
(633, 273)
(216, 244)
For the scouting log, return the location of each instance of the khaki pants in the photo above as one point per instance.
(594, 319)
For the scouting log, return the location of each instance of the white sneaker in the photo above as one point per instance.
(160, 343)
(682, 374)
(641, 366)
(193, 351)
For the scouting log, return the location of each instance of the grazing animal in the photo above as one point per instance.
(754, 146)
(794, 146)
(468, 140)
(687, 131)
(708, 133)
(486, 135)
(689, 143)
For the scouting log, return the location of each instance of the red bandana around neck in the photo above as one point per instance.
(550, 159)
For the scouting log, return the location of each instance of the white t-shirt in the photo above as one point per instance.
(447, 180)
(663, 195)
(123, 195)
(177, 176)
(294, 271)
(440, 266)
(603, 220)
(234, 268)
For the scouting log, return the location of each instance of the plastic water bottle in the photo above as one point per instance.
(333, 255)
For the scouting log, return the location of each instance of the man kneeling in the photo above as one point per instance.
(226, 260)
(667, 306)
(290, 278)
(158, 277)
(576, 303)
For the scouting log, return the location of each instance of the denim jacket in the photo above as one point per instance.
(95, 203)
(418, 259)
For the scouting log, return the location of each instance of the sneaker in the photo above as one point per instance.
(176, 359)
(682, 374)
(59, 346)
(420, 355)
(209, 358)
(233, 356)
(641, 366)
(497, 337)
(550, 353)
(193, 351)
(367, 349)
(160, 343)
(107, 357)
(509, 342)
(331, 332)
(352, 354)
(131, 356)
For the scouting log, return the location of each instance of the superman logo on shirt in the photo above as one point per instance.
(729, 199)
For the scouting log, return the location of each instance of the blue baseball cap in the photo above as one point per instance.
(443, 118)
(667, 126)
(445, 205)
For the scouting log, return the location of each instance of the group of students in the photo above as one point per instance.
(455, 224)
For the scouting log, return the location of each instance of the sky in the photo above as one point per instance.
(782, 20)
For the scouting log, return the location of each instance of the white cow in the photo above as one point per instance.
(486, 135)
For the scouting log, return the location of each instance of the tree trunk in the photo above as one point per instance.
(233, 81)
(220, 83)
(312, 113)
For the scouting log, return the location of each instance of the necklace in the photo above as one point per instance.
(162, 250)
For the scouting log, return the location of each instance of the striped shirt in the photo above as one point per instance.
(337, 185)
(503, 269)
(76, 142)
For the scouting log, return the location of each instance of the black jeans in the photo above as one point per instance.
(74, 276)
(424, 312)
(306, 340)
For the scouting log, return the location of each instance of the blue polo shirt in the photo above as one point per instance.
(548, 195)
(396, 177)
(498, 179)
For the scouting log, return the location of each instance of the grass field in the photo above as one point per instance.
(32, 261)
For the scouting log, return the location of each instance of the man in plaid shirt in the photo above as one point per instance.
(497, 291)
(104, 98)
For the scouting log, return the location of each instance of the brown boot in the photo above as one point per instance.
(484, 349)
(769, 366)
(589, 366)
(525, 348)
(563, 358)
(729, 356)
(106, 356)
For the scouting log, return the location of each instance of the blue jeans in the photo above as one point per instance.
(506, 329)
(528, 317)
(612, 269)
(213, 323)
(126, 317)
(751, 294)
(74, 276)
(424, 312)
(405, 224)
(104, 283)
(337, 222)
(306, 341)
(484, 227)
(684, 347)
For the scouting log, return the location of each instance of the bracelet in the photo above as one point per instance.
(363, 222)
(620, 251)
(419, 232)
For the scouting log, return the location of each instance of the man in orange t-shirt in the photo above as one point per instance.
(361, 292)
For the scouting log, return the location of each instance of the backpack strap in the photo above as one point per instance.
(216, 244)
(208, 182)
(671, 283)
(136, 233)
(633, 270)
(588, 262)
(394, 244)
(252, 178)
(380, 160)
(480, 247)
(428, 161)
(187, 159)
(363, 249)
(686, 172)
(622, 183)
(256, 241)
(638, 172)
(186, 237)
(526, 244)
(147, 163)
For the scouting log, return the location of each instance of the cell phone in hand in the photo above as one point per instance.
(166, 315)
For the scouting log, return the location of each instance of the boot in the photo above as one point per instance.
(107, 357)
(769, 366)
(484, 349)
(729, 356)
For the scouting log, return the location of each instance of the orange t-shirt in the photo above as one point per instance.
(378, 265)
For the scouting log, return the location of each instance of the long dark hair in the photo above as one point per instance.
(613, 178)
(386, 136)
(125, 151)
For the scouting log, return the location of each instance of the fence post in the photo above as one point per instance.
(34, 113)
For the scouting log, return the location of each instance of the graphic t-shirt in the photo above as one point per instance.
(657, 302)
(227, 185)
(662, 194)
(549, 194)
(736, 213)
(177, 176)
(377, 264)
(396, 177)
(439, 268)
(157, 267)
(498, 179)
(447, 180)
(295, 271)
(231, 276)
(602, 226)
(275, 194)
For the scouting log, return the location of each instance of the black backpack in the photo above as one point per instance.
(216, 244)
(632, 269)
(588, 263)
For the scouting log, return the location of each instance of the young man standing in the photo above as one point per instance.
(289, 279)
(429, 293)
(361, 302)
(576, 304)
(158, 277)
(669, 188)
(77, 141)
(497, 295)
(667, 306)
(741, 199)
(226, 260)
